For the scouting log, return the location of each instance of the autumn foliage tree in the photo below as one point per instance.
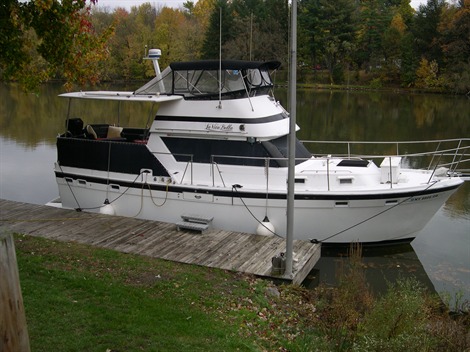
(454, 28)
(41, 38)
(376, 42)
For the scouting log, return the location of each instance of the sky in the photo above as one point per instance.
(178, 3)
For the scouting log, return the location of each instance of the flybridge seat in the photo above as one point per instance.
(75, 128)
(98, 131)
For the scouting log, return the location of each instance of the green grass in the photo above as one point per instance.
(80, 298)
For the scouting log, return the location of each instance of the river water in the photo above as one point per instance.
(439, 256)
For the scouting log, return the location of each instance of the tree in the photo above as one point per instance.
(202, 12)
(216, 33)
(406, 12)
(43, 38)
(169, 25)
(375, 19)
(427, 74)
(332, 28)
(309, 23)
(409, 61)
(260, 30)
(425, 30)
(122, 47)
(392, 45)
(454, 28)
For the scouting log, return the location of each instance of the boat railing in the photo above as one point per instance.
(215, 169)
(453, 154)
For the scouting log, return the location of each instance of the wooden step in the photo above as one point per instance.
(194, 226)
(197, 218)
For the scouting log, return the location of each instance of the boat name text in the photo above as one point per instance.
(219, 127)
(415, 199)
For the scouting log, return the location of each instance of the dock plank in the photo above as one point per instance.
(214, 248)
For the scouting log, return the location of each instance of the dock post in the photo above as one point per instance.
(13, 330)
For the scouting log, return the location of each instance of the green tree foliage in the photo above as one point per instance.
(309, 46)
(251, 29)
(219, 30)
(122, 60)
(375, 19)
(259, 31)
(392, 41)
(12, 40)
(408, 61)
(406, 12)
(426, 30)
(40, 38)
(427, 74)
(331, 27)
(168, 35)
(455, 43)
(192, 30)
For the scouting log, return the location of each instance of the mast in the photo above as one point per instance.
(292, 125)
(220, 58)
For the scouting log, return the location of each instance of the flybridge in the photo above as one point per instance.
(212, 79)
(196, 80)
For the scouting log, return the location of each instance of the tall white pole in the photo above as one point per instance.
(220, 58)
(251, 33)
(292, 126)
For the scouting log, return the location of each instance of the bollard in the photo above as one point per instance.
(278, 264)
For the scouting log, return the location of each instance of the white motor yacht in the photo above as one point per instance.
(216, 155)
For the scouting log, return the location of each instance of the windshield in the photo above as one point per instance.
(203, 80)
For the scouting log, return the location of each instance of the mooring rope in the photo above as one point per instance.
(373, 216)
(234, 187)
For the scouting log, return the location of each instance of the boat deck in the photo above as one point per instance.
(214, 248)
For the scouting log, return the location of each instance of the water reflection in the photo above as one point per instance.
(443, 246)
(31, 119)
(381, 265)
(363, 116)
(439, 256)
(26, 171)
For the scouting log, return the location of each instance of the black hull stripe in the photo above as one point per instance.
(238, 193)
(226, 120)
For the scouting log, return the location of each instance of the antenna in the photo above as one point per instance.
(154, 55)
(251, 32)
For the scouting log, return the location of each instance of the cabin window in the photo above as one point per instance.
(353, 163)
(345, 180)
(341, 204)
(233, 152)
(254, 78)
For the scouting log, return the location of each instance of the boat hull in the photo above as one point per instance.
(325, 217)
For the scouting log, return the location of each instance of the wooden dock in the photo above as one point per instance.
(214, 248)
